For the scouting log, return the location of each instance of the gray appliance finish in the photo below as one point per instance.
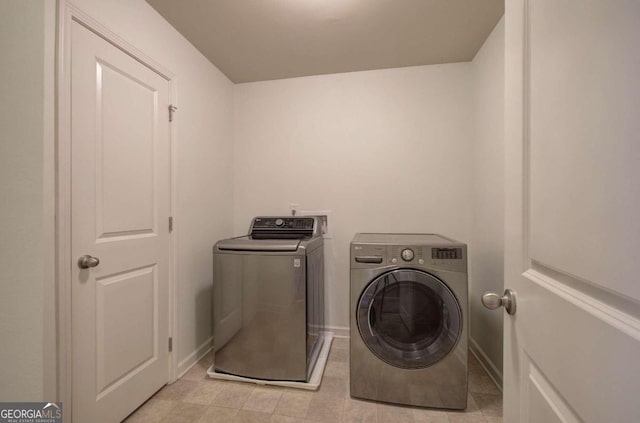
(409, 327)
(268, 300)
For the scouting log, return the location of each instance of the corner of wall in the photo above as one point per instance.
(192, 359)
(487, 246)
(487, 363)
(50, 317)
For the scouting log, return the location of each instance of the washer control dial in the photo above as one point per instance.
(407, 254)
(279, 222)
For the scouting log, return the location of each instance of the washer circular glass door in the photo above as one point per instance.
(409, 318)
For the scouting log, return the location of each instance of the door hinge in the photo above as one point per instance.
(172, 110)
(170, 344)
(170, 223)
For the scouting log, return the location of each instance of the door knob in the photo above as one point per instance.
(491, 300)
(86, 261)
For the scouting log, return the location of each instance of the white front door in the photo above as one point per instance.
(572, 349)
(120, 186)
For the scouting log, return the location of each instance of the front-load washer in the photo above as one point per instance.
(268, 300)
(409, 314)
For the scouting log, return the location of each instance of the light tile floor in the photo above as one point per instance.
(196, 398)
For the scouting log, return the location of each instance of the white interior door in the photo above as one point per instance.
(120, 186)
(572, 349)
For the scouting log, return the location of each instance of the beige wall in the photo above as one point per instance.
(487, 240)
(386, 151)
(26, 256)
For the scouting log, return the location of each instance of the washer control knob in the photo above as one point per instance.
(407, 254)
(279, 222)
(394, 260)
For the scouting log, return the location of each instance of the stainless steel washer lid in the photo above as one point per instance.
(246, 243)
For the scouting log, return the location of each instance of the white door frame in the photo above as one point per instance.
(67, 13)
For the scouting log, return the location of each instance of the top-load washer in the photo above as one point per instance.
(409, 320)
(268, 300)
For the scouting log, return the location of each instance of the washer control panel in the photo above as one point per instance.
(282, 222)
(282, 227)
(407, 254)
(418, 255)
(446, 253)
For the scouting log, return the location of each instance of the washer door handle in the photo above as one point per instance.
(372, 320)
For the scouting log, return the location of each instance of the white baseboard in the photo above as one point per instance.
(185, 365)
(494, 373)
(338, 331)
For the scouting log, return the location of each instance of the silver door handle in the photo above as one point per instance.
(491, 300)
(86, 261)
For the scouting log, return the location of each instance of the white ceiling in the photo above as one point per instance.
(255, 40)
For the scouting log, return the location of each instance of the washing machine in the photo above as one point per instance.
(268, 300)
(409, 320)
